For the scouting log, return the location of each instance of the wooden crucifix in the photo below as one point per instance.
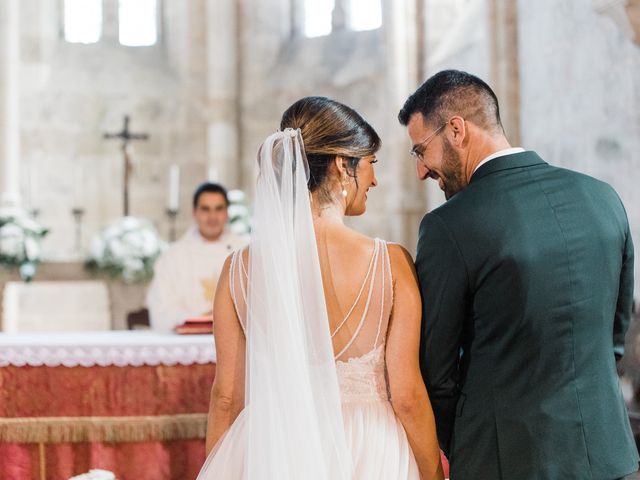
(126, 136)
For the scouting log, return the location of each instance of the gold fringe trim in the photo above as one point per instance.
(103, 429)
(43, 462)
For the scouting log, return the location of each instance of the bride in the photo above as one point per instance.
(317, 326)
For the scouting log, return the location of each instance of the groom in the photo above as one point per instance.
(526, 275)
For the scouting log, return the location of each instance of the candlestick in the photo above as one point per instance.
(78, 185)
(33, 189)
(77, 213)
(172, 214)
(174, 188)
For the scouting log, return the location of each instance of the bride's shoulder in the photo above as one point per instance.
(399, 256)
(235, 256)
(395, 248)
(397, 252)
(351, 238)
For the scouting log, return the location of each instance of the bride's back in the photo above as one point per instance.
(357, 284)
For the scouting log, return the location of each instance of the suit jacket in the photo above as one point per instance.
(527, 282)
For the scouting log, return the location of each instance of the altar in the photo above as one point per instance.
(132, 402)
(67, 290)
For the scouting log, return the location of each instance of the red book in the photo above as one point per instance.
(195, 325)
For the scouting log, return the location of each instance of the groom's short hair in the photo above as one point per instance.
(453, 92)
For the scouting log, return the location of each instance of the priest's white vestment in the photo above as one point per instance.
(186, 276)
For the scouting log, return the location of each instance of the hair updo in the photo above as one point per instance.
(330, 129)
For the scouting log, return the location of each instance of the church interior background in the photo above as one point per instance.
(203, 82)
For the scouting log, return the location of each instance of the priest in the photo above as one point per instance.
(186, 275)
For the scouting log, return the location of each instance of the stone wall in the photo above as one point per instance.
(580, 96)
(73, 93)
(577, 78)
(459, 39)
(205, 111)
(201, 109)
(356, 68)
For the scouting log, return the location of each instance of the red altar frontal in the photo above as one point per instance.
(134, 403)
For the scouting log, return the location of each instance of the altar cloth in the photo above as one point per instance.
(119, 348)
(132, 402)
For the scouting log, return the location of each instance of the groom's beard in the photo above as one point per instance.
(452, 175)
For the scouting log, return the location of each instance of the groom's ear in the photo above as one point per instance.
(458, 130)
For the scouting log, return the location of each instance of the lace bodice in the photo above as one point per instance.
(362, 379)
(359, 337)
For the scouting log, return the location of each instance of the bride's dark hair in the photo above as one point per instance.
(330, 129)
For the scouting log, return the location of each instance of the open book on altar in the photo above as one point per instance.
(194, 325)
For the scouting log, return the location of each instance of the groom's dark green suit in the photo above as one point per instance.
(527, 281)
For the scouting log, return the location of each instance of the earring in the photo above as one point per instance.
(344, 188)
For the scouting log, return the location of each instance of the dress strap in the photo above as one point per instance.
(364, 283)
(238, 277)
(371, 274)
(386, 289)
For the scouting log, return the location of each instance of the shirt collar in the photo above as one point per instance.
(499, 153)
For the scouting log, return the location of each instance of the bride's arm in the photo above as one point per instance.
(408, 393)
(227, 393)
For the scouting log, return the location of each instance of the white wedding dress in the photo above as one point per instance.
(316, 395)
(376, 439)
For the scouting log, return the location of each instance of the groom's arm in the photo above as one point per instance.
(443, 284)
(625, 298)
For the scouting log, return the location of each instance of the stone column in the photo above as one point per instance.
(223, 90)
(340, 16)
(110, 22)
(632, 8)
(625, 14)
(505, 71)
(9, 102)
(407, 195)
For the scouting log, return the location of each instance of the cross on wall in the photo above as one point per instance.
(126, 136)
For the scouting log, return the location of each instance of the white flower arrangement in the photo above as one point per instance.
(239, 213)
(95, 474)
(20, 239)
(128, 248)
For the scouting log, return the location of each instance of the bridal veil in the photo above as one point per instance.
(293, 419)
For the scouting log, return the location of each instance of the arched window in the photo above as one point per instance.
(320, 16)
(82, 21)
(138, 22)
(317, 17)
(364, 14)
